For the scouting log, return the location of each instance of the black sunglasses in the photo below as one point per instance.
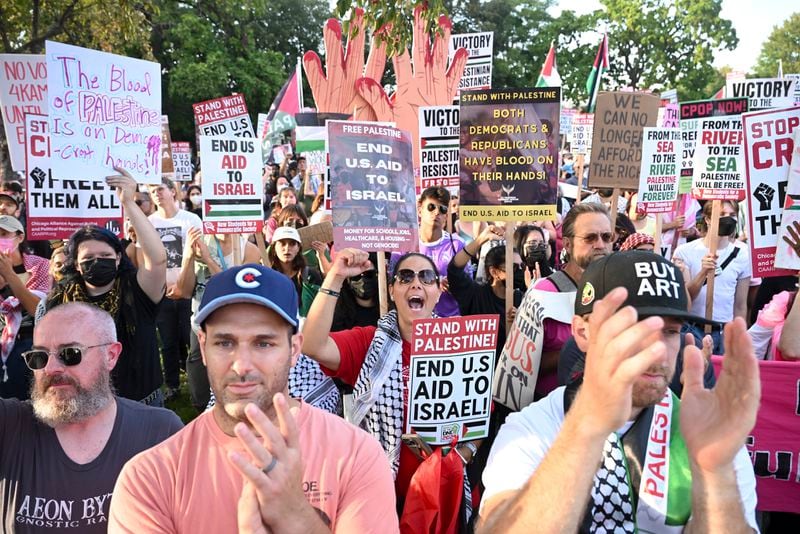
(442, 209)
(425, 276)
(70, 356)
(607, 237)
(368, 275)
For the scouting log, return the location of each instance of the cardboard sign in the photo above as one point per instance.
(438, 139)
(450, 377)
(182, 160)
(582, 131)
(167, 163)
(658, 181)
(232, 202)
(23, 89)
(104, 111)
(619, 121)
(225, 116)
(775, 184)
(718, 160)
(515, 378)
(763, 93)
(772, 445)
(691, 113)
(565, 121)
(322, 232)
(478, 72)
(57, 207)
(509, 154)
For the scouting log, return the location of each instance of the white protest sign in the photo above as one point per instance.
(104, 111)
(515, 378)
(796, 78)
(785, 256)
(450, 377)
(565, 121)
(768, 146)
(222, 116)
(439, 145)
(582, 132)
(764, 93)
(658, 180)
(231, 185)
(23, 89)
(718, 160)
(57, 207)
(182, 160)
(478, 72)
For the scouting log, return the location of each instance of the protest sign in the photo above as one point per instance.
(565, 121)
(56, 206)
(691, 113)
(281, 152)
(796, 78)
(372, 185)
(262, 124)
(668, 116)
(670, 96)
(231, 185)
(718, 160)
(478, 72)
(778, 169)
(450, 377)
(582, 130)
(763, 93)
(224, 116)
(438, 140)
(322, 232)
(182, 160)
(773, 442)
(619, 119)
(167, 163)
(311, 143)
(509, 154)
(515, 378)
(104, 111)
(658, 181)
(23, 89)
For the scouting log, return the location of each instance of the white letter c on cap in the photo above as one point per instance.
(247, 278)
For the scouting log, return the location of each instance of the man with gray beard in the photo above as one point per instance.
(61, 452)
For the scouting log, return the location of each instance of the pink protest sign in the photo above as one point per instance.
(773, 444)
(23, 89)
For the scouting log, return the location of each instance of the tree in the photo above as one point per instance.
(783, 44)
(663, 44)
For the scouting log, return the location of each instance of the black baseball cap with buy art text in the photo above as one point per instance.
(655, 285)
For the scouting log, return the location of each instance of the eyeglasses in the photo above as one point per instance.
(607, 237)
(426, 276)
(366, 275)
(70, 356)
(433, 207)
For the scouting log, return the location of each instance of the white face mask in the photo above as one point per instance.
(195, 199)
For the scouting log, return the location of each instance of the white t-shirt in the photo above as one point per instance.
(173, 235)
(526, 436)
(724, 284)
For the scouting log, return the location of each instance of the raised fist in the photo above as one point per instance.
(764, 194)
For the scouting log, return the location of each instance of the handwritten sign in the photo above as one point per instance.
(182, 160)
(226, 115)
(23, 89)
(718, 160)
(231, 185)
(450, 377)
(57, 207)
(478, 71)
(104, 111)
(438, 139)
(764, 93)
(658, 180)
(668, 116)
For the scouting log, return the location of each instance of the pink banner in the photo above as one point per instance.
(774, 445)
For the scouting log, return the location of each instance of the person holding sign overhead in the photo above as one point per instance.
(375, 360)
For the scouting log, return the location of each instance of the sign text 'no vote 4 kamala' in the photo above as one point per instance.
(57, 206)
(104, 111)
(450, 378)
(231, 185)
(23, 89)
(509, 154)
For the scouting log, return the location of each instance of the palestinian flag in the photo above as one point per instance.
(288, 99)
(600, 66)
(236, 208)
(310, 139)
(549, 76)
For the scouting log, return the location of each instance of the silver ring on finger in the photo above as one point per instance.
(270, 467)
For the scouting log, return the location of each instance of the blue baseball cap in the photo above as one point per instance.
(252, 284)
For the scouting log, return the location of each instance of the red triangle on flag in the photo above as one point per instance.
(789, 202)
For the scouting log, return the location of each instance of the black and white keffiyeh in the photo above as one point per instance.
(611, 506)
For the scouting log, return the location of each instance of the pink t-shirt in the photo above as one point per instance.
(555, 335)
(187, 484)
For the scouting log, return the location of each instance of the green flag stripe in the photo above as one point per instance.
(310, 145)
(222, 214)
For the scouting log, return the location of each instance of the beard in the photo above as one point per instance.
(54, 408)
(584, 261)
(233, 405)
(649, 393)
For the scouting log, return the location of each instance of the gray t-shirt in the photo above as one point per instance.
(42, 490)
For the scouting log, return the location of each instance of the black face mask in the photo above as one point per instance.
(535, 253)
(727, 226)
(99, 271)
(519, 278)
(366, 288)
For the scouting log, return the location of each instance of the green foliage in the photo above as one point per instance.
(783, 44)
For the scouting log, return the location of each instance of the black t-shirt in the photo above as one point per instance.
(42, 490)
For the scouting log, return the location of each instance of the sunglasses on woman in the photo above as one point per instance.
(433, 207)
(368, 275)
(69, 356)
(426, 276)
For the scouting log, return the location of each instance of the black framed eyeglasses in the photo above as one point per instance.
(426, 276)
(607, 237)
(433, 207)
(70, 356)
(366, 275)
